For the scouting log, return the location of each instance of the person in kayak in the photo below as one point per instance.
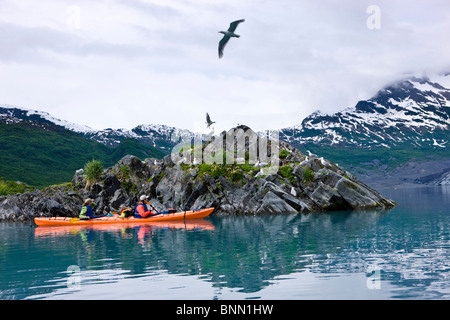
(125, 212)
(87, 211)
(141, 210)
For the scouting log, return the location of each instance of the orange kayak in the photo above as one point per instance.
(177, 216)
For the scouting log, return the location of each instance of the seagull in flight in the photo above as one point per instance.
(208, 121)
(227, 35)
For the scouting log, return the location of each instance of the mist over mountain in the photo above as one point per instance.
(400, 135)
(413, 111)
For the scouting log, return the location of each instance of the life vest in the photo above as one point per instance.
(88, 214)
(136, 212)
(126, 213)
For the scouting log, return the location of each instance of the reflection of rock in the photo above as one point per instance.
(293, 183)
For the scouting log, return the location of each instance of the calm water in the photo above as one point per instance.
(400, 254)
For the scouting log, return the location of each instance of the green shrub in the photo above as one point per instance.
(218, 170)
(247, 168)
(283, 154)
(287, 172)
(12, 187)
(161, 175)
(308, 175)
(92, 171)
(204, 168)
(185, 166)
(214, 170)
(236, 175)
(124, 172)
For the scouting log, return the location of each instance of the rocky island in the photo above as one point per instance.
(263, 176)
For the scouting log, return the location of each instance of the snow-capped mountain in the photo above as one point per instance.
(162, 137)
(386, 137)
(12, 114)
(414, 111)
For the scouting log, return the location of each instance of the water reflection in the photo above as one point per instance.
(245, 253)
(241, 256)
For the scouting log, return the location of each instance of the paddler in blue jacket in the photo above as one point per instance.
(87, 212)
(141, 210)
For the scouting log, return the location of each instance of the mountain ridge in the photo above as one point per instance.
(416, 105)
(149, 133)
(405, 124)
(407, 120)
(413, 110)
(40, 153)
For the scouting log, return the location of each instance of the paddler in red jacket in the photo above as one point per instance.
(141, 210)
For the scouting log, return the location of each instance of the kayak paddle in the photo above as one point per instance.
(156, 211)
(75, 220)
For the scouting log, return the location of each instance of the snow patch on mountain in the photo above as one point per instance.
(157, 135)
(414, 110)
(18, 114)
(63, 123)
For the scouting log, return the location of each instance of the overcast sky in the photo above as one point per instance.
(120, 63)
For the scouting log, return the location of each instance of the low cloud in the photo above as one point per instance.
(129, 62)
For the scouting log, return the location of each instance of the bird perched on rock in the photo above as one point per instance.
(311, 155)
(208, 121)
(228, 34)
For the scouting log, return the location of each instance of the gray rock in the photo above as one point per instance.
(273, 204)
(55, 208)
(301, 205)
(298, 171)
(328, 198)
(111, 184)
(171, 186)
(356, 195)
(119, 199)
(132, 162)
(227, 185)
(9, 210)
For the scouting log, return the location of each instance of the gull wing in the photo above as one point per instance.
(234, 25)
(222, 44)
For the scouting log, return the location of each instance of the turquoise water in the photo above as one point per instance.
(403, 253)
